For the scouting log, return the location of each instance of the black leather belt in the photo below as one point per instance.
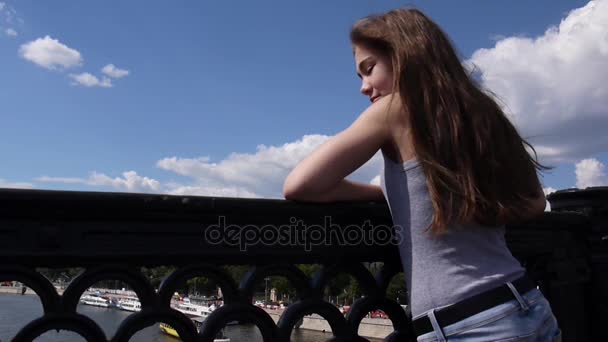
(473, 305)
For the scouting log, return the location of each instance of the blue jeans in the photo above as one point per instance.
(528, 317)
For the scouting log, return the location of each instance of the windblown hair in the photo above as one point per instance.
(475, 162)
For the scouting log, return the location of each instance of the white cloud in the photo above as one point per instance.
(130, 181)
(2, 4)
(554, 85)
(10, 32)
(49, 53)
(549, 190)
(375, 180)
(176, 189)
(67, 180)
(261, 173)
(114, 72)
(88, 80)
(590, 172)
(16, 185)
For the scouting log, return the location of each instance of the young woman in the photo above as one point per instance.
(455, 171)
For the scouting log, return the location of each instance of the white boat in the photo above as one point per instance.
(194, 310)
(130, 304)
(95, 301)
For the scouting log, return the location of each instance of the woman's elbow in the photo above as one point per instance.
(292, 190)
(297, 191)
(289, 193)
(537, 207)
(541, 205)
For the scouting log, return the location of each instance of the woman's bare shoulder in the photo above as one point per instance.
(400, 147)
(390, 104)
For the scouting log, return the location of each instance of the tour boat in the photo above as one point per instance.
(130, 304)
(95, 301)
(194, 310)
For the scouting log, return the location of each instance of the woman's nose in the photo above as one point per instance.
(366, 89)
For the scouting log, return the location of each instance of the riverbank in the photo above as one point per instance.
(18, 289)
(370, 327)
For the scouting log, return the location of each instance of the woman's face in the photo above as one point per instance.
(375, 71)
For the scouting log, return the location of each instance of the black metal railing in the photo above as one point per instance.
(113, 235)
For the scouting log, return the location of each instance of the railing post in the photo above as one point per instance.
(592, 202)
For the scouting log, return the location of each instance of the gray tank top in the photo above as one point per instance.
(467, 260)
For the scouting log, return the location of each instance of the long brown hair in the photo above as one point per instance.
(475, 162)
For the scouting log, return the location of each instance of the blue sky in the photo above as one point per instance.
(223, 98)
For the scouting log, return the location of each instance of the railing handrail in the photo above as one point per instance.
(47, 227)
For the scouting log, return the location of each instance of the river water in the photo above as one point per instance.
(16, 311)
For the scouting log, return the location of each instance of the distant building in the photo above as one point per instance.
(273, 295)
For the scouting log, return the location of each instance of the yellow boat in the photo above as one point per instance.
(167, 329)
(198, 322)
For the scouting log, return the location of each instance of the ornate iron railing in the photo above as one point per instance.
(112, 235)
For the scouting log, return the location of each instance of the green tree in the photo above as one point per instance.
(397, 289)
(285, 289)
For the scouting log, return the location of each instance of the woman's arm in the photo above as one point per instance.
(537, 203)
(320, 176)
(346, 190)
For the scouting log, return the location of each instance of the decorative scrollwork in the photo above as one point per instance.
(60, 311)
